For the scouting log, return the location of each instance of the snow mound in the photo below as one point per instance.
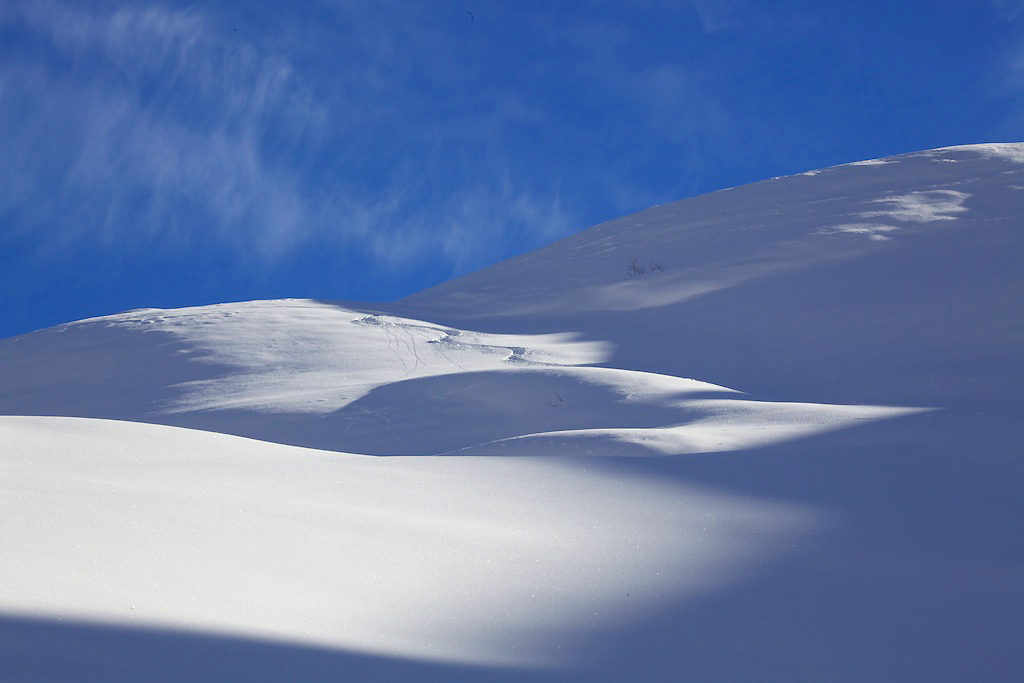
(318, 375)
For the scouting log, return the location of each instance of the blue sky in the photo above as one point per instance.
(163, 154)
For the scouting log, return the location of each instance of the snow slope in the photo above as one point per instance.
(894, 281)
(774, 435)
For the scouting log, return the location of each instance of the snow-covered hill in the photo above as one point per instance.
(895, 280)
(774, 435)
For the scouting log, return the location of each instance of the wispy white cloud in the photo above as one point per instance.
(1005, 83)
(161, 122)
(373, 127)
(717, 15)
(471, 227)
(662, 115)
(143, 125)
(1010, 9)
(498, 215)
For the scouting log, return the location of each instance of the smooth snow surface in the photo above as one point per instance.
(772, 433)
(465, 559)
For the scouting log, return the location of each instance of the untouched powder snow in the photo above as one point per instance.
(771, 433)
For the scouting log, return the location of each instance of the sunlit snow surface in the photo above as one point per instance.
(318, 375)
(770, 433)
(466, 559)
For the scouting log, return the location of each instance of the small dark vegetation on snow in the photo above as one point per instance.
(637, 268)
